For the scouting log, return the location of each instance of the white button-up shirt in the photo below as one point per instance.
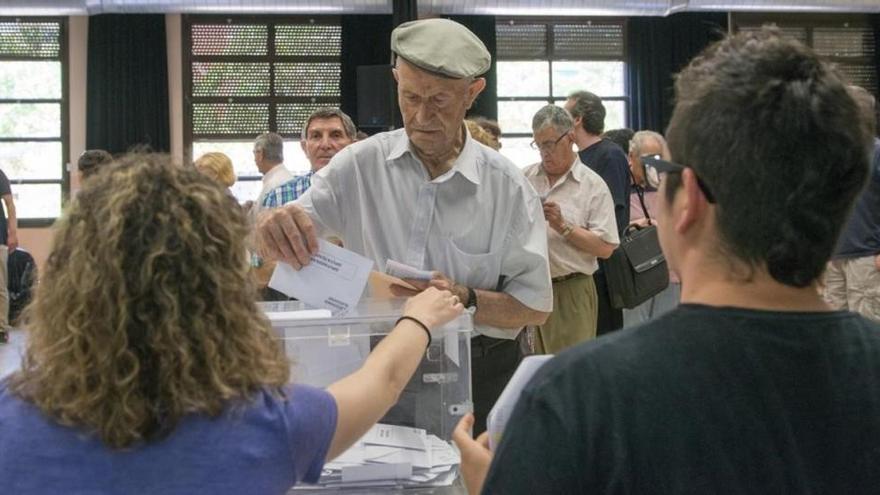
(480, 223)
(585, 200)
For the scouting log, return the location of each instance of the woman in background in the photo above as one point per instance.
(149, 367)
(218, 167)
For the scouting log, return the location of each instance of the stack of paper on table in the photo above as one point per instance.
(391, 455)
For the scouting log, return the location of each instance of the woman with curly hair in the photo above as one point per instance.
(149, 367)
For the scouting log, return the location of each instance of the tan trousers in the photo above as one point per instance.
(573, 320)
(854, 284)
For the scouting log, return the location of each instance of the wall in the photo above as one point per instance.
(175, 82)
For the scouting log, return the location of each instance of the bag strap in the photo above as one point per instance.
(640, 191)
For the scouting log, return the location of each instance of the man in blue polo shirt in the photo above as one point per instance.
(852, 280)
(609, 161)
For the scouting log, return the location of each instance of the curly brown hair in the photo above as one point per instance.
(146, 312)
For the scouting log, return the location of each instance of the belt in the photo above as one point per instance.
(482, 345)
(563, 278)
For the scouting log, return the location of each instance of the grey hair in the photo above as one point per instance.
(552, 115)
(637, 143)
(329, 113)
(271, 145)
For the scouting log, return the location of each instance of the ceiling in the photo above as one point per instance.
(428, 7)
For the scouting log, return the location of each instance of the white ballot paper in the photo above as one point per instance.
(503, 408)
(391, 456)
(334, 280)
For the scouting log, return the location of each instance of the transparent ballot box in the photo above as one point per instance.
(410, 449)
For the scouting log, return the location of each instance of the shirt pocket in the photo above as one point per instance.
(474, 270)
(571, 213)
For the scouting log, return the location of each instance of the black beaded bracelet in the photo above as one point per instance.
(417, 322)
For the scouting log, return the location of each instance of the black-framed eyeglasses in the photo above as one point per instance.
(547, 146)
(661, 165)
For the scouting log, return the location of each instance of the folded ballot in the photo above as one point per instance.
(391, 456)
(402, 270)
(503, 408)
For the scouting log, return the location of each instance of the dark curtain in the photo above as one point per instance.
(484, 27)
(875, 23)
(658, 48)
(404, 11)
(127, 87)
(366, 40)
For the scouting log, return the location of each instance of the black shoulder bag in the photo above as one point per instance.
(636, 271)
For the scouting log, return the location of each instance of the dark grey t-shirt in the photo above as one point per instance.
(703, 400)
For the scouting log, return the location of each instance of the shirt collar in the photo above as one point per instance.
(465, 163)
(277, 169)
(399, 145)
(576, 172)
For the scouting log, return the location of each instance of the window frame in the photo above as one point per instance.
(64, 131)
(810, 22)
(549, 42)
(271, 21)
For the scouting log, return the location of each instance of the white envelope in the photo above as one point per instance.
(396, 436)
(334, 279)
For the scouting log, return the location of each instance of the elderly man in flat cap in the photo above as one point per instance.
(431, 197)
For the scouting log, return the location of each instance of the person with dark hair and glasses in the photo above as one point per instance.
(753, 384)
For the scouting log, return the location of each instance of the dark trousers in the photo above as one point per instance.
(493, 362)
(609, 319)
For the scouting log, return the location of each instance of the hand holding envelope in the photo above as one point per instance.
(334, 279)
(394, 282)
(381, 285)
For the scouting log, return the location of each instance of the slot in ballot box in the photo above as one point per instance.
(323, 349)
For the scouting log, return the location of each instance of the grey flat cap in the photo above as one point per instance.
(441, 46)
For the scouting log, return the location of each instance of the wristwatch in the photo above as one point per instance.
(567, 228)
(472, 299)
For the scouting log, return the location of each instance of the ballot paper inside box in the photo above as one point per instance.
(324, 349)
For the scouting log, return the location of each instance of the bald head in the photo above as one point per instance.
(646, 143)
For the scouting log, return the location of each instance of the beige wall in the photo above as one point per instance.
(38, 240)
(175, 83)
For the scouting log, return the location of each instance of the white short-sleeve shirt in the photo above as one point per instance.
(585, 200)
(481, 223)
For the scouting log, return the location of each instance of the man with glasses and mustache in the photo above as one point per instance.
(582, 227)
(429, 196)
